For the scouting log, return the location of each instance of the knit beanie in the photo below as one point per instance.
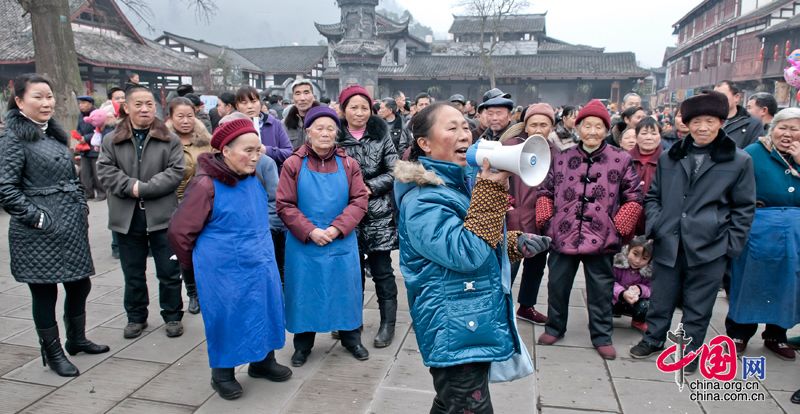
(594, 108)
(229, 131)
(541, 109)
(318, 112)
(710, 103)
(351, 91)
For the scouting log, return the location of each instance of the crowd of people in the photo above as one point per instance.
(274, 220)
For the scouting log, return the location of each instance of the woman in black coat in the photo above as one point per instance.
(366, 138)
(48, 233)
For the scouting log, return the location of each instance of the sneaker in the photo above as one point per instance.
(133, 330)
(174, 329)
(781, 349)
(607, 351)
(739, 344)
(639, 326)
(644, 350)
(528, 313)
(547, 339)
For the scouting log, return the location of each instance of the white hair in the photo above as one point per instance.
(783, 115)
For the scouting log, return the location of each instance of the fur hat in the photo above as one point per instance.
(709, 103)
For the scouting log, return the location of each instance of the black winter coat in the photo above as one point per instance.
(743, 129)
(710, 213)
(401, 136)
(376, 154)
(37, 177)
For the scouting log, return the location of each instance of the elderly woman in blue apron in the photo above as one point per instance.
(764, 284)
(321, 199)
(222, 230)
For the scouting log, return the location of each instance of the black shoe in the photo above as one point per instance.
(223, 381)
(53, 354)
(335, 335)
(359, 352)
(174, 329)
(270, 369)
(299, 358)
(796, 397)
(133, 330)
(76, 337)
(644, 350)
(194, 305)
(388, 318)
(115, 253)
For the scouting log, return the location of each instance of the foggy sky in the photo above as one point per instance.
(643, 27)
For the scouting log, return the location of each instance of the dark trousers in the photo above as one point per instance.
(187, 274)
(462, 389)
(279, 240)
(44, 298)
(745, 331)
(305, 341)
(133, 248)
(91, 183)
(599, 291)
(380, 267)
(637, 311)
(697, 287)
(532, 274)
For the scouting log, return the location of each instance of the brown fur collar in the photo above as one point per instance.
(200, 135)
(414, 172)
(158, 130)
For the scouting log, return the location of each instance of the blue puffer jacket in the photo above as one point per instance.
(458, 308)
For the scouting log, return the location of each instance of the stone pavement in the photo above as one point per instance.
(156, 374)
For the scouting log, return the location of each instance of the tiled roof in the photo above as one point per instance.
(550, 66)
(222, 52)
(528, 23)
(92, 46)
(552, 45)
(285, 59)
(788, 24)
(386, 26)
(743, 20)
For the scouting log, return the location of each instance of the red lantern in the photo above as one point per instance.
(761, 54)
(788, 48)
(775, 53)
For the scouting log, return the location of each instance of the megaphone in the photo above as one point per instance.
(529, 160)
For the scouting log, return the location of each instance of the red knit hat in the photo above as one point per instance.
(594, 108)
(352, 90)
(231, 130)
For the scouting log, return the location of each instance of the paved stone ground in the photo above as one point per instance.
(156, 374)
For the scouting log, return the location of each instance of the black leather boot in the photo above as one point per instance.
(388, 318)
(76, 337)
(53, 355)
(270, 369)
(194, 303)
(223, 381)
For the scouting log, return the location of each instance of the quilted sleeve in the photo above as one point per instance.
(12, 164)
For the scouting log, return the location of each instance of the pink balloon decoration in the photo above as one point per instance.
(792, 76)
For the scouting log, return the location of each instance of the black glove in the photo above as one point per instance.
(531, 244)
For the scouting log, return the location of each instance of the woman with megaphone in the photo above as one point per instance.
(454, 255)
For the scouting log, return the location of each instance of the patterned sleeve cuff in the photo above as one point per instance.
(487, 210)
(514, 253)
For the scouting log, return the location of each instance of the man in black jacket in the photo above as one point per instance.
(699, 210)
(742, 128)
(401, 137)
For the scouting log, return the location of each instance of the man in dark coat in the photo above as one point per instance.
(141, 165)
(401, 136)
(699, 209)
(88, 172)
(742, 128)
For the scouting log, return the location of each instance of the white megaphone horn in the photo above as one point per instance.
(529, 160)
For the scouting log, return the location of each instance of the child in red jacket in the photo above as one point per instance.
(632, 275)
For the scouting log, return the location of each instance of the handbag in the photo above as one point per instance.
(520, 364)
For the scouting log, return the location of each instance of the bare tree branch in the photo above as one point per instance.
(203, 9)
(141, 10)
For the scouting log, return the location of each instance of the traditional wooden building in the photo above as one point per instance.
(779, 41)
(225, 68)
(530, 65)
(722, 40)
(109, 48)
(282, 65)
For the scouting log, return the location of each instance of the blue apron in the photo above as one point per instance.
(237, 277)
(322, 284)
(765, 278)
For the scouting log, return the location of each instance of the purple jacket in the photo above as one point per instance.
(275, 138)
(587, 190)
(625, 277)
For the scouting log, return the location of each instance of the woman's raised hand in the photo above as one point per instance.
(500, 177)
